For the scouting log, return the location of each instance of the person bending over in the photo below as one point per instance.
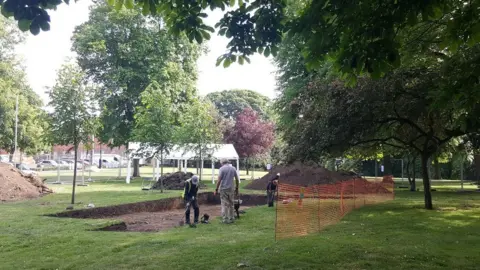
(271, 189)
(190, 197)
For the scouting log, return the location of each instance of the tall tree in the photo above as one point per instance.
(30, 128)
(155, 122)
(250, 135)
(200, 127)
(124, 52)
(232, 102)
(397, 111)
(73, 120)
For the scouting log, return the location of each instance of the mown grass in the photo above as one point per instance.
(111, 175)
(398, 234)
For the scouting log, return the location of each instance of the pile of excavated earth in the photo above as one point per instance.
(302, 175)
(16, 186)
(174, 181)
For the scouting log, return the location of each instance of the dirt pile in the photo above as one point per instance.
(300, 174)
(175, 181)
(16, 186)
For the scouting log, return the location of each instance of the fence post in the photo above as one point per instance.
(365, 192)
(276, 210)
(341, 198)
(354, 197)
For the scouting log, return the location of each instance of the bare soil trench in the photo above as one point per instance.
(157, 215)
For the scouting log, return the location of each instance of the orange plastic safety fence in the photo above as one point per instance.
(305, 210)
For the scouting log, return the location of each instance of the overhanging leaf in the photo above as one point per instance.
(198, 37)
(34, 29)
(119, 4)
(129, 4)
(24, 25)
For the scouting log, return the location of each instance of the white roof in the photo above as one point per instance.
(215, 151)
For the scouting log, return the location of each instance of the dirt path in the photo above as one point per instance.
(159, 221)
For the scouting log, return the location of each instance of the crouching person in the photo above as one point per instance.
(271, 189)
(190, 197)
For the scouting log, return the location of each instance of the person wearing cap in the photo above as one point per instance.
(228, 189)
(271, 189)
(190, 197)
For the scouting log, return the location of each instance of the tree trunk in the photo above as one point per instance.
(161, 171)
(246, 165)
(476, 161)
(100, 161)
(413, 185)
(11, 154)
(136, 167)
(74, 171)
(407, 168)
(201, 166)
(436, 171)
(426, 183)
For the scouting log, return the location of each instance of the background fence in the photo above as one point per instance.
(305, 210)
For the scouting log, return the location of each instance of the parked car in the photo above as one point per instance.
(62, 162)
(47, 163)
(25, 169)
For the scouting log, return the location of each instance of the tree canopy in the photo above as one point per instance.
(357, 37)
(124, 52)
(250, 135)
(14, 84)
(154, 120)
(73, 120)
(72, 99)
(230, 103)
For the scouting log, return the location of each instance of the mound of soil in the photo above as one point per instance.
(175, 181)
(16, 186)
(301, 175)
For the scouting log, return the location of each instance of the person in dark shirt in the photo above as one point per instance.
(190, 197)
(271, 189)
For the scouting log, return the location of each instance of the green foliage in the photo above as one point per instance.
(9, 38)
(230, 103)
(13, 82)
(124, 52)
(371, 37)
(73, 120)
(31, 15)
(200, 125)
(252, 26)
(154, 119)
(366, 37)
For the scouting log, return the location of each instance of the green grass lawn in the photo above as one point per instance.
(146, 172)
(398, 234)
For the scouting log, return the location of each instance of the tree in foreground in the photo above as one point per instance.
(155, 122)
(397, 111)
(359, 37)
(73, 120)
(250, 135)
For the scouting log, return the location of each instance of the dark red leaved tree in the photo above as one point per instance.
(250, 135)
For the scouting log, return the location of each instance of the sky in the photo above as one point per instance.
(44, 54)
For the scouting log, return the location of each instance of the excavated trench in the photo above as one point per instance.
(156, 215)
